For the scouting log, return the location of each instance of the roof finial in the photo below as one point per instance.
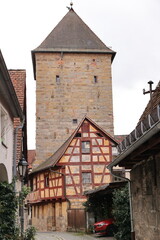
(71, 4)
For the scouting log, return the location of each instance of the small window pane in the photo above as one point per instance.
(86, 147)
(86, 178)
(46, 181)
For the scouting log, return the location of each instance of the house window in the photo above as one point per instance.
(4, 123)
(57, 79)
(86, 147)
(95, 79)
(31, 184)
(46, 179)
(99, 134)
(36, 183)
(86, 178)
(78, 135)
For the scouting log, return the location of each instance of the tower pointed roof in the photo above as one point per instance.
(72, 35)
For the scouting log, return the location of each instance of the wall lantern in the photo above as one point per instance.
(22, 167)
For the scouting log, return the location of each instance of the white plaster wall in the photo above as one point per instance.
(6, 152)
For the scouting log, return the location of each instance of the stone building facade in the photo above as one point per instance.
(140, 152)
(146, 200)
(72, 68)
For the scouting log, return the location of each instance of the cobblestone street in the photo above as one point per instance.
(68, 236)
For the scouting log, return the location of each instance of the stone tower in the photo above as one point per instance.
(72, 68)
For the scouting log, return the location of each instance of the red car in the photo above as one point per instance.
(105, 227)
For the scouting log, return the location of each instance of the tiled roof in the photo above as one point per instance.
(72, 34)
(31, 157)
(146, 133)
(18, 77)
(120, 138)
(51, 161)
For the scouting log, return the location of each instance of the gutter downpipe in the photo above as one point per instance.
(130, 200)
(14, 171)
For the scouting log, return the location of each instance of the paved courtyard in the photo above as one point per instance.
(68, 236)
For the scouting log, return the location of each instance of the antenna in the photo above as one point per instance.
(150, 89)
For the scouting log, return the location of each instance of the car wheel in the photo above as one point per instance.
(110, 230)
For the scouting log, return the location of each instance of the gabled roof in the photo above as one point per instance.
(72, 35)
(52, 161)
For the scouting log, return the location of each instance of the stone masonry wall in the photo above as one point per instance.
(83, 87)
(146, 199)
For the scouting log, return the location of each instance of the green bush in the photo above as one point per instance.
(8, 208)
(30, 233)
(121, 213)
(100, 206)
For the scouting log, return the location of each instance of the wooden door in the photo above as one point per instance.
(76, 220)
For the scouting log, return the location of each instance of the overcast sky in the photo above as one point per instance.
(130, 27)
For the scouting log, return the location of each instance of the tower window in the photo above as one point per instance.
(57, 79)
(75, 121)
(86, 147)
(95, 79)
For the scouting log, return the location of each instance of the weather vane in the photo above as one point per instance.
(150, 89)
(71, 4)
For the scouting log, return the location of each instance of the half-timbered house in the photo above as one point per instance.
(58, 184)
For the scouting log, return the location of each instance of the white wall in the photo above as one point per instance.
(6, 146)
